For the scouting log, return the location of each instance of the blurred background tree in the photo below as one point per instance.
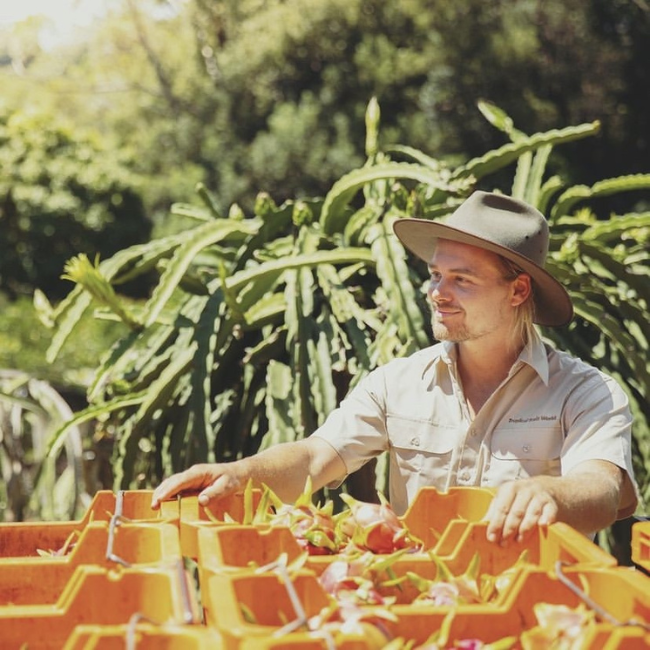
(248, 95)
(60, 192)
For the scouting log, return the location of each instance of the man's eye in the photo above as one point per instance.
(435, 276)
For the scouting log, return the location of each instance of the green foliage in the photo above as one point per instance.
(260, 323)
(24, 343)
(35, 486)
(247, 95)
(59, 194)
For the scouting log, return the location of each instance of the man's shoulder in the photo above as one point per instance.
(409, 368)
(564, 365)
(564, 361)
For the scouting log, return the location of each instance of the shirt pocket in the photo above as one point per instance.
(524, 452)
(420, 446)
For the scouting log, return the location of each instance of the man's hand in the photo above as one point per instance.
(517, 508)
(284, 468)
(213, 480)
(587, 498)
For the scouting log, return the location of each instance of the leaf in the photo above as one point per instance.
(208, 199)
(546, 192)
(533, 189)
(507, 154)
(594, 314)
(249, 510)
(418, 156)
(67, 317)
(137, 352)
(92, 412)
(267, 310)
(346, 187)
(83, 272)
(124, 264)
(394, 274)
(205, 339)
(239, 280)
(319, 349)
(157, 397)
(202, 237)
(278, 405)
(345, 309)
(498, 118)
(573, 195)
(524, 164)
(192, 211)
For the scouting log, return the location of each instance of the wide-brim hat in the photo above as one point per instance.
(503, 225)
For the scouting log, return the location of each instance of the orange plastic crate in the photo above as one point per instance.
(433, 517)
(40, 580)
(627, 638)
(135, 543)
(219, 512)
(308, 641)
(641, 544)
(245, 547)
(134, 505)
(428, 517)
(143, 636)
(432, 512)
(543, 547)
(624, 594)
(24, 539)
(264, 596)
(229, 601)
(101, 597)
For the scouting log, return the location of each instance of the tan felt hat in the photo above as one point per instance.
(503, 225)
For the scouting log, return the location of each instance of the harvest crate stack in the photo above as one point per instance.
(244, 573)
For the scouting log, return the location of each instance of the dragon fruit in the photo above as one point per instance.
(375, 527)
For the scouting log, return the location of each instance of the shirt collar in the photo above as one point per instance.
(533, 354)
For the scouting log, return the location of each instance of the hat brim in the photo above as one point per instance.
(553, 306)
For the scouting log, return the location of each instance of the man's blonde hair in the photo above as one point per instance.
(524, 328)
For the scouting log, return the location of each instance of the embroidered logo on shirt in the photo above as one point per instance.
(533, 418)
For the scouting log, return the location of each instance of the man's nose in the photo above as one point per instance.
(438, 290)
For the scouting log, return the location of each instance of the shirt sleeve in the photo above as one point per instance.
(357, 428)
(598, 426)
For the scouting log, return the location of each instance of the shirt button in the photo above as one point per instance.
(526, 448)
(415, 442)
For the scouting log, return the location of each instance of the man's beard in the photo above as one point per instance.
(442, 332)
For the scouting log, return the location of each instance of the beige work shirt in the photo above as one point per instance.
(550, 414)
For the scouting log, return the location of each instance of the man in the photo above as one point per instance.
(490, 405)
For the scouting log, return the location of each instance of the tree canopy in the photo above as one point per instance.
(61, 192)
(246, 96)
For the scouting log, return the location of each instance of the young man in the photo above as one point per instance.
(489, 405)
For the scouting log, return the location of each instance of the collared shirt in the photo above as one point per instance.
(551, 413)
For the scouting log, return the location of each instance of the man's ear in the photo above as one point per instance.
(521, 289)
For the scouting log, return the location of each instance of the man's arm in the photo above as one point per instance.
(284, 468)
(587, 498)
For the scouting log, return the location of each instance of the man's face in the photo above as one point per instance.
(469, 297)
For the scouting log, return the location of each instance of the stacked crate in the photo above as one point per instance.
(192, 577)
(116, 574)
